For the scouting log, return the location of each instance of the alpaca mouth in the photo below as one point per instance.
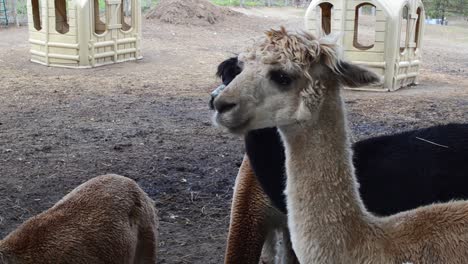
(214, 94)
(238, 128)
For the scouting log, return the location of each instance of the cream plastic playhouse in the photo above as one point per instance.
(383, 35)
(84, 33)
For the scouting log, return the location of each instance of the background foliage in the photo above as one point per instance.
(442, 9)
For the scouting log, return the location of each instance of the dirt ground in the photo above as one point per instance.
(149, 120)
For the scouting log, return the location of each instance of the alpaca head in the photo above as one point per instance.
(283, 80)
(227, 71)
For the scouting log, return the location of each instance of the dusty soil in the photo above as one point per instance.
(149, 120)
(191, 12)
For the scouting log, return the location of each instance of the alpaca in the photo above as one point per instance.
(293, 81)
(252, 218)
(400, 184)
(106, 220)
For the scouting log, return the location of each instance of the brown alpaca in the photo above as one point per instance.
(293, 81)
(106, 220)
(256, 225)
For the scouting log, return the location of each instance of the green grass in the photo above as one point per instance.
(21, 10)
(102, 5)
(144, 7)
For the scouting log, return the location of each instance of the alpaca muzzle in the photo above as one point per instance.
(214, 94)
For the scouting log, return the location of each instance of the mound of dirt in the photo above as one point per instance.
(193, 12)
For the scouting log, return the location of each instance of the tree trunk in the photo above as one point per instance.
(14, 12)
(442, 13)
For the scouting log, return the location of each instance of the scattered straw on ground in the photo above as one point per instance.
(192, 12)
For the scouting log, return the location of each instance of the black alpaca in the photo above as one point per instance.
(396, 172)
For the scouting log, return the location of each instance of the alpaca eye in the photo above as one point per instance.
(280, 78)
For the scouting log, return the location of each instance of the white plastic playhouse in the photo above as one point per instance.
(84, 33)
(383, 35)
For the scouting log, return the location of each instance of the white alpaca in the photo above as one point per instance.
(106, 220)
(293, 81)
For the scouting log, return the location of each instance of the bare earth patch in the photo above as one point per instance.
(149, 120)
(194, 12)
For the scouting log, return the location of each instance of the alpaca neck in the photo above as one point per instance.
(324, 207)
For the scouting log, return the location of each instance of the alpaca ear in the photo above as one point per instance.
(226, 65)
(355, 76)
(228, 70)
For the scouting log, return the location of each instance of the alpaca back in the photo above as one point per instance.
(436, 233)
(406, 170)
(396, 172)
(107, 220)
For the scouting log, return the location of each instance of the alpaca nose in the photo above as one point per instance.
(215, 93)
(223, 106)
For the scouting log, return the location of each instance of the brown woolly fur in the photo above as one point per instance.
(247, 235)
(106, 220)
(326, 216)
(253, 229)
(255, 223)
